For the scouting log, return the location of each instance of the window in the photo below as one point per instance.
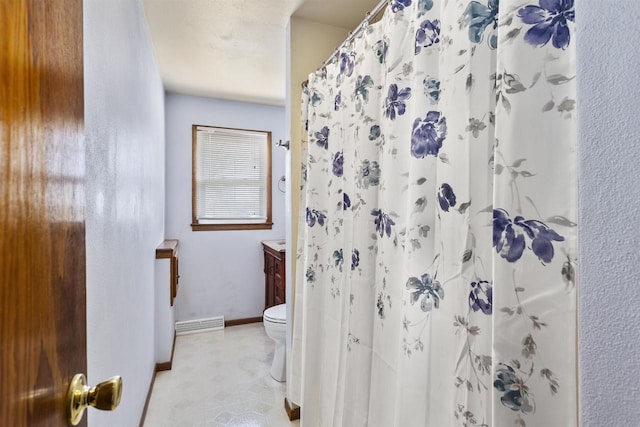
(231, 179)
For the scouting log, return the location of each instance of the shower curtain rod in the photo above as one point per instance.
(370, 15)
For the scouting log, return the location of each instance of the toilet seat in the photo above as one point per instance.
(276, 314)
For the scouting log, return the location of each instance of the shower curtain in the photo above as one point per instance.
(436, 279)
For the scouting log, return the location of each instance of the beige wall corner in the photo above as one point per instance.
(310, 44)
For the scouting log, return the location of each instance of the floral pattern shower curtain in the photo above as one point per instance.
(437, 264)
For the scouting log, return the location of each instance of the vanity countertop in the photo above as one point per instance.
(276, 245)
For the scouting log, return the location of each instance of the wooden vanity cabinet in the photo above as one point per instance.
(274, 272)
(169, 250)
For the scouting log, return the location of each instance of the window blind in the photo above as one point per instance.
(231, 176)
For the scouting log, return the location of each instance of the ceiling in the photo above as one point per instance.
(235, 49)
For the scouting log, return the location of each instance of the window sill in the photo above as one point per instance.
(226, 227)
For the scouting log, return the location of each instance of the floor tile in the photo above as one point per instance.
(220, 379)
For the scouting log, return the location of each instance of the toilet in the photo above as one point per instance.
(275, 325)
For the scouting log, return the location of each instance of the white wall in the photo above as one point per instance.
(221, 272)
(609, 135)
(124, 125)
(165, 317)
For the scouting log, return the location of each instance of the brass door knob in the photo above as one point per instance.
(105, 396)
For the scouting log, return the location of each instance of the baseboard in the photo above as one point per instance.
(166, 366)
(242, 321)
(146, 402)
(292, 410)
(173, 347)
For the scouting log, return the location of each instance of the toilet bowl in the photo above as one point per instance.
(275, 325)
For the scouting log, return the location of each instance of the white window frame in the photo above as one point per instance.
(259, 221)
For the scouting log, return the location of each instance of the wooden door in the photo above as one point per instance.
(42, 232)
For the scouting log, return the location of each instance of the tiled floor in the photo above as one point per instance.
(220, 379)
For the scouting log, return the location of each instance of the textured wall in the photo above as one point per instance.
(221, 272)
(165, 316)
(124, 121)
(609, 135)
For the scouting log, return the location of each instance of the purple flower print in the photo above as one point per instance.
(314, 216)
(395, 101)
(431, 291)
(338, 164)
(427, 35)
(481, 296)
(311, 275)
(347, 62)
(374, 133)
(397, 5)
(322, 137)
(338, 258)
(428, 135)
(338, 101)
(380, 49)
(346, 201)
(355, 259)
(550, 22)
(383, 222)
(446, 197)
(515, 392)
(510, 237)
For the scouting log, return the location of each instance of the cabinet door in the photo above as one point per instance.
(269, 269)
(279, 297)
(175, 276)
